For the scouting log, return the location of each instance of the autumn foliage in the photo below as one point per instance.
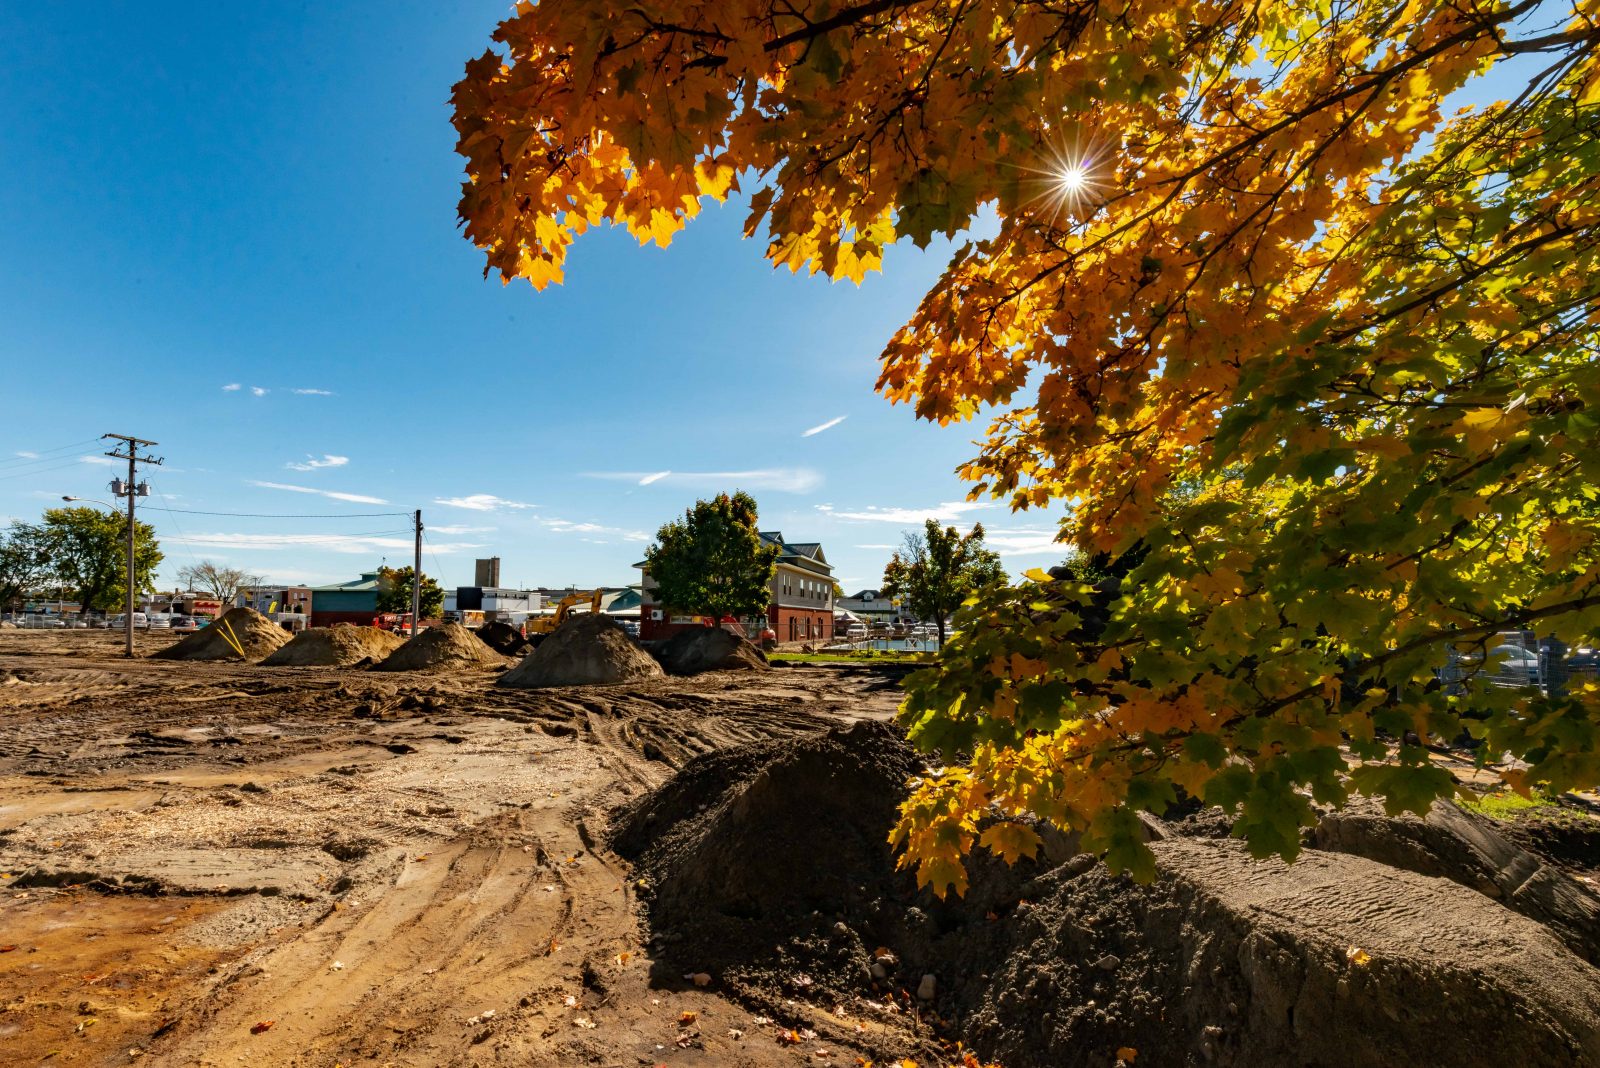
(1302, 334)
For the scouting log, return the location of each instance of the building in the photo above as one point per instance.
(348, 602)
(486, 573)
(870, 605)
(800, 608)
(508, 606)
(270, 600)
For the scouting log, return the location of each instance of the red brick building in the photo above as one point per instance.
(801, 606)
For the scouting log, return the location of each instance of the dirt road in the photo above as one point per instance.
(215, 864)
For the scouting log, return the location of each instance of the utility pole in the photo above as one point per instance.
(416, 582)
(132, 490)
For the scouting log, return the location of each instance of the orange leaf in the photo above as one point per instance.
(261, 1026)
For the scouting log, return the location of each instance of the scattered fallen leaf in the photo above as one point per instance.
(486, 1014)
(686, 1017)
(585, 1022)
(624, 957)
(336, 966)
(762, 1021)
(421, 856)
(262, 1026)
(570, 1001)
(807, 1034)
(685, 1039)
(862, 1062)
(1127, 1054)
(7, 949)
(1357, 956)
(700, 978)
(788, 1038)
(735, 1034)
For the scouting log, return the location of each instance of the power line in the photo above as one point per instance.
(44, 455)
(281, 515)
(41, 470)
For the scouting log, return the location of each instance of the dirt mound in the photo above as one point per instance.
(586, 650)
(257, 635)
(767, 866)
(503, 638)
(442, 648)
(1471, 850)
(334, 647)
(768, 845)
(689, 652)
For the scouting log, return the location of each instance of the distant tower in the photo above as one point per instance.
(487, 573)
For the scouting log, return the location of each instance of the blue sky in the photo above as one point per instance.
(231, 228)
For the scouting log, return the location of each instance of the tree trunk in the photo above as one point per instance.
(939, 623)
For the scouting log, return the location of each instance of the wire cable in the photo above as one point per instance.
(282, 515)
(40, 456)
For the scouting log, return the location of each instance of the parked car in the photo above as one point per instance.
(856, 632)
(185, 624)
(159, 621)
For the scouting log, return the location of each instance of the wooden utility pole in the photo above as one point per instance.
(416, 581)
(132, 490)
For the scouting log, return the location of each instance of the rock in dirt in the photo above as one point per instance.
(690, 652)
(503, 638)
(256, 635)
(586, 650)
(340, 646)
(449, 646)
(1469, 849)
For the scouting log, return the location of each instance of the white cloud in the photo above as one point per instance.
(313, 464)
(481, 502)
(26, 455)
(782, 479)
(567, 526)
(315, 392)
(354, 498)
(103, 461)
(232, 387)
(829, 425)
(877, 546)
(259, 391)
(945, 512)
(338, 543)
(1025, 541)
(455, 529)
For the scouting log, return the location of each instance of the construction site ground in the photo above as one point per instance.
(221, 864)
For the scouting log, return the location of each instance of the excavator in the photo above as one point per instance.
(540, 627)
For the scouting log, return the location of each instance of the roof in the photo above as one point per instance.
(365, 584)
(807, 552)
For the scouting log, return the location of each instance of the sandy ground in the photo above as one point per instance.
(216, 864)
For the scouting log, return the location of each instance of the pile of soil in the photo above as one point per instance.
(773, 845)
(338, 646)
(690, 652)
(586, 650)
(767, 865)
(257, 635)
(449, 646)
(503, 638)
(1470, 849)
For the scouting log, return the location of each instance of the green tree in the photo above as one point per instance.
(939, 568)
(713, 562)
(394, 593)
(88, 553)
(24, 563)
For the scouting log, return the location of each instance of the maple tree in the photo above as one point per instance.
(713, 561)
(938, 569)
(1302, 340)
(87, 552)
